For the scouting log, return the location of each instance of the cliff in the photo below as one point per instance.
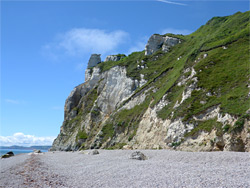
(187, 93)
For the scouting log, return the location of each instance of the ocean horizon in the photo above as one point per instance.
(17, 151)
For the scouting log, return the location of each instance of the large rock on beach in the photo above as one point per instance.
(7, 155)
(94, 152)
(138, 156)
(37, 151)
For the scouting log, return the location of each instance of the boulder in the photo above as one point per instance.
(114, 57)
(157, 42)
(83, 152)
(5, 156)
(94, 152)
(8, 154)
(138, 156)
(169, 42)
(127, 147)
(94, 60)
(219, 143)
(37, 151)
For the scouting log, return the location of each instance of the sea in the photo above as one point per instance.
(17, 151)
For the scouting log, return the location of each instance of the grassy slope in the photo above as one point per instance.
(224, 73)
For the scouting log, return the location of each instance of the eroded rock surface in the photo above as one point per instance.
(114, 57)
(157, 42)
(94, 60)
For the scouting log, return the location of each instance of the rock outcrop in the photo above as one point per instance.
(157, 42)
(8, 155)
(114, 57)
(94, 60)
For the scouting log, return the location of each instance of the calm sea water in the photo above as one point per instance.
(17, 151)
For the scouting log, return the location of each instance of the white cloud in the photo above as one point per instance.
(81, 41)
(11, 101)
(21, 139)
(172, 2)
(176, 31)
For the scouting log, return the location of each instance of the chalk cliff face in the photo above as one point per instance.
(94, 101)
(185, 93)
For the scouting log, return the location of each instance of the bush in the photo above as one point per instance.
(239, 125)
(226, 128)
(108, 131)
(82, 135)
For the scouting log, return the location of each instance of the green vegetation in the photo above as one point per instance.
(82, 135)
(108, 131)
(81, 110)
(224, 73)
(129, 62)
(175, 144)
(131, 136)
(129, 119)
(182, 37)
(117, 146)
(239, 124)
(226, 128)
(89, 100)
(174, 95)
(121, 55)
(225, 30)
(206, 126)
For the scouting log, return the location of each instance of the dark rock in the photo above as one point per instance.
(37, 151)
(94, 152)
(237, 144)
(219, 143)
(94, 60)
(5, 156)
(157, 42)
(138, 156)
(8, 154)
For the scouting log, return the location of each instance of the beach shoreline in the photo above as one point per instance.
(114, 168)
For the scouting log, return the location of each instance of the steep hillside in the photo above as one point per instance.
(183, 92)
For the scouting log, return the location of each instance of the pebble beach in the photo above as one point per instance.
(114, 168)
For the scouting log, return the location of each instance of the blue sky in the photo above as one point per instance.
(45, 47)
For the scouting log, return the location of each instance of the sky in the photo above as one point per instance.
(46, 45)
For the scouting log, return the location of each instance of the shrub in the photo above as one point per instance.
(82, 135)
